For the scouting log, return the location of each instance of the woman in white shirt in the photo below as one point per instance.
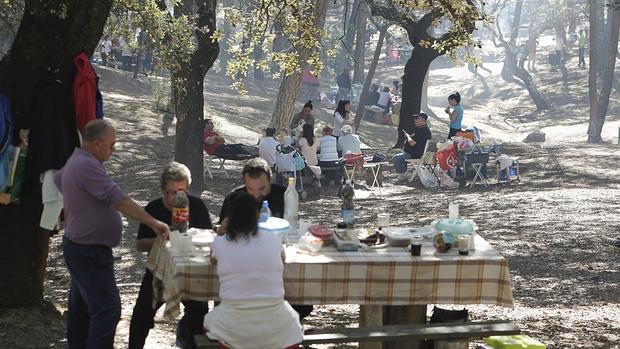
(308, 145)
(342, 116)
(250, 264)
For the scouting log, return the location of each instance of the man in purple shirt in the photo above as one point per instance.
(92, 202)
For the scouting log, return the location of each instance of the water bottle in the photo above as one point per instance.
(348, 208)
(291, 209)
(265, 212)
(180, 212)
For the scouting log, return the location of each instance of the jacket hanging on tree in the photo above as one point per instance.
(84, 91)
(6, 135)
(53, 134)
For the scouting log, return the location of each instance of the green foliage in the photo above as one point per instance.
(172, 39)
(461, 17)
(255, 25)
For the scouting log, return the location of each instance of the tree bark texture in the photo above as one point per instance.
(599, 100)
(413, 85)
(511, 68)
(188, 84)
(344, 57)
(289, 88)
(48, 39)
(361, 110)
(360, 43)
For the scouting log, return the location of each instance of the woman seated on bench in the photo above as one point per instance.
(250, 265)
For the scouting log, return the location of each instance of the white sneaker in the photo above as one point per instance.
(403, 176)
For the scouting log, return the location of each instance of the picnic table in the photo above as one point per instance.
(387, 279)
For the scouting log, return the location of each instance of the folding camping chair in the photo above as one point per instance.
(416, 163)
(208, 159)
(478, 161)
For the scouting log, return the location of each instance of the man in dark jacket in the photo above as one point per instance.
(414, 146)
(344, 85)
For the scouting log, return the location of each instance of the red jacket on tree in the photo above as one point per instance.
(84, 91)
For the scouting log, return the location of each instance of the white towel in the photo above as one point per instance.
(256, 324)
(52, 201)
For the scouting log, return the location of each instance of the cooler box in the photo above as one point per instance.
(514, 342)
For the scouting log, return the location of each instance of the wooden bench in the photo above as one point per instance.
(452, 330)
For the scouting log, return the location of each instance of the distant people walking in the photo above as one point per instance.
(344, 85)
(342, 117)
(106, 50)
(582, 49)
(455, 112)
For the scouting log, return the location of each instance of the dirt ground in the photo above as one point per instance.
(551, 226)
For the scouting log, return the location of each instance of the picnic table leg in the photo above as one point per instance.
(371, 315)
(398, 315)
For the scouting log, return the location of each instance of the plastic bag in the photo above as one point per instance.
(445, 181)
(427, 178)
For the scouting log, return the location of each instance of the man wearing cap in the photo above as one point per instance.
(414, 146)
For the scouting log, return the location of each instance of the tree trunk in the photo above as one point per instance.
(189, 96)
(511, 68)
(44, 43)
(224, 55)
(413, 84)
(360, 43)
(361, 110)
(344, 57)
(258, 55)
(289, 88)
(599, 101)
(424, 104)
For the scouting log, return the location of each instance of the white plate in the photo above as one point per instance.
(203, 239)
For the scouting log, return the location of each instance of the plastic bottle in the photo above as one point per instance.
(348, 208)
(180, 212)
(265, 212)
(291, 209)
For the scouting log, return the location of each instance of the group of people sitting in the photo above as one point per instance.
(322, 154)
(249, 264)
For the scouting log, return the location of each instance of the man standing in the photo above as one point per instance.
(344, 85)
(257, 182)
(414, 146)
(175, 177)
(582, 49)
(91, 203)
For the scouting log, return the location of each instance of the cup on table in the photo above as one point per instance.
(383, 220)
(416, 245)
(304, 224)
(453, 210)
(463, 242)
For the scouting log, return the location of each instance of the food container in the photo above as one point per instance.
(398, 237)
(322, 232)
(277, 226)
(346, 240)
(456, 226)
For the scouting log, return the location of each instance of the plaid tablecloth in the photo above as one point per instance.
(389, 276)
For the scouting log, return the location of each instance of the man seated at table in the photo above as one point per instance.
(174, 177)
(257, 182)
(267, 146)
(214, 144)
(349, 143)
(414, 146)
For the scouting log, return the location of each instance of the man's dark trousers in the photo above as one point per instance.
(94, 301)
(142, 319)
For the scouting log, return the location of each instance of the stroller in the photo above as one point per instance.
(290, 163)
